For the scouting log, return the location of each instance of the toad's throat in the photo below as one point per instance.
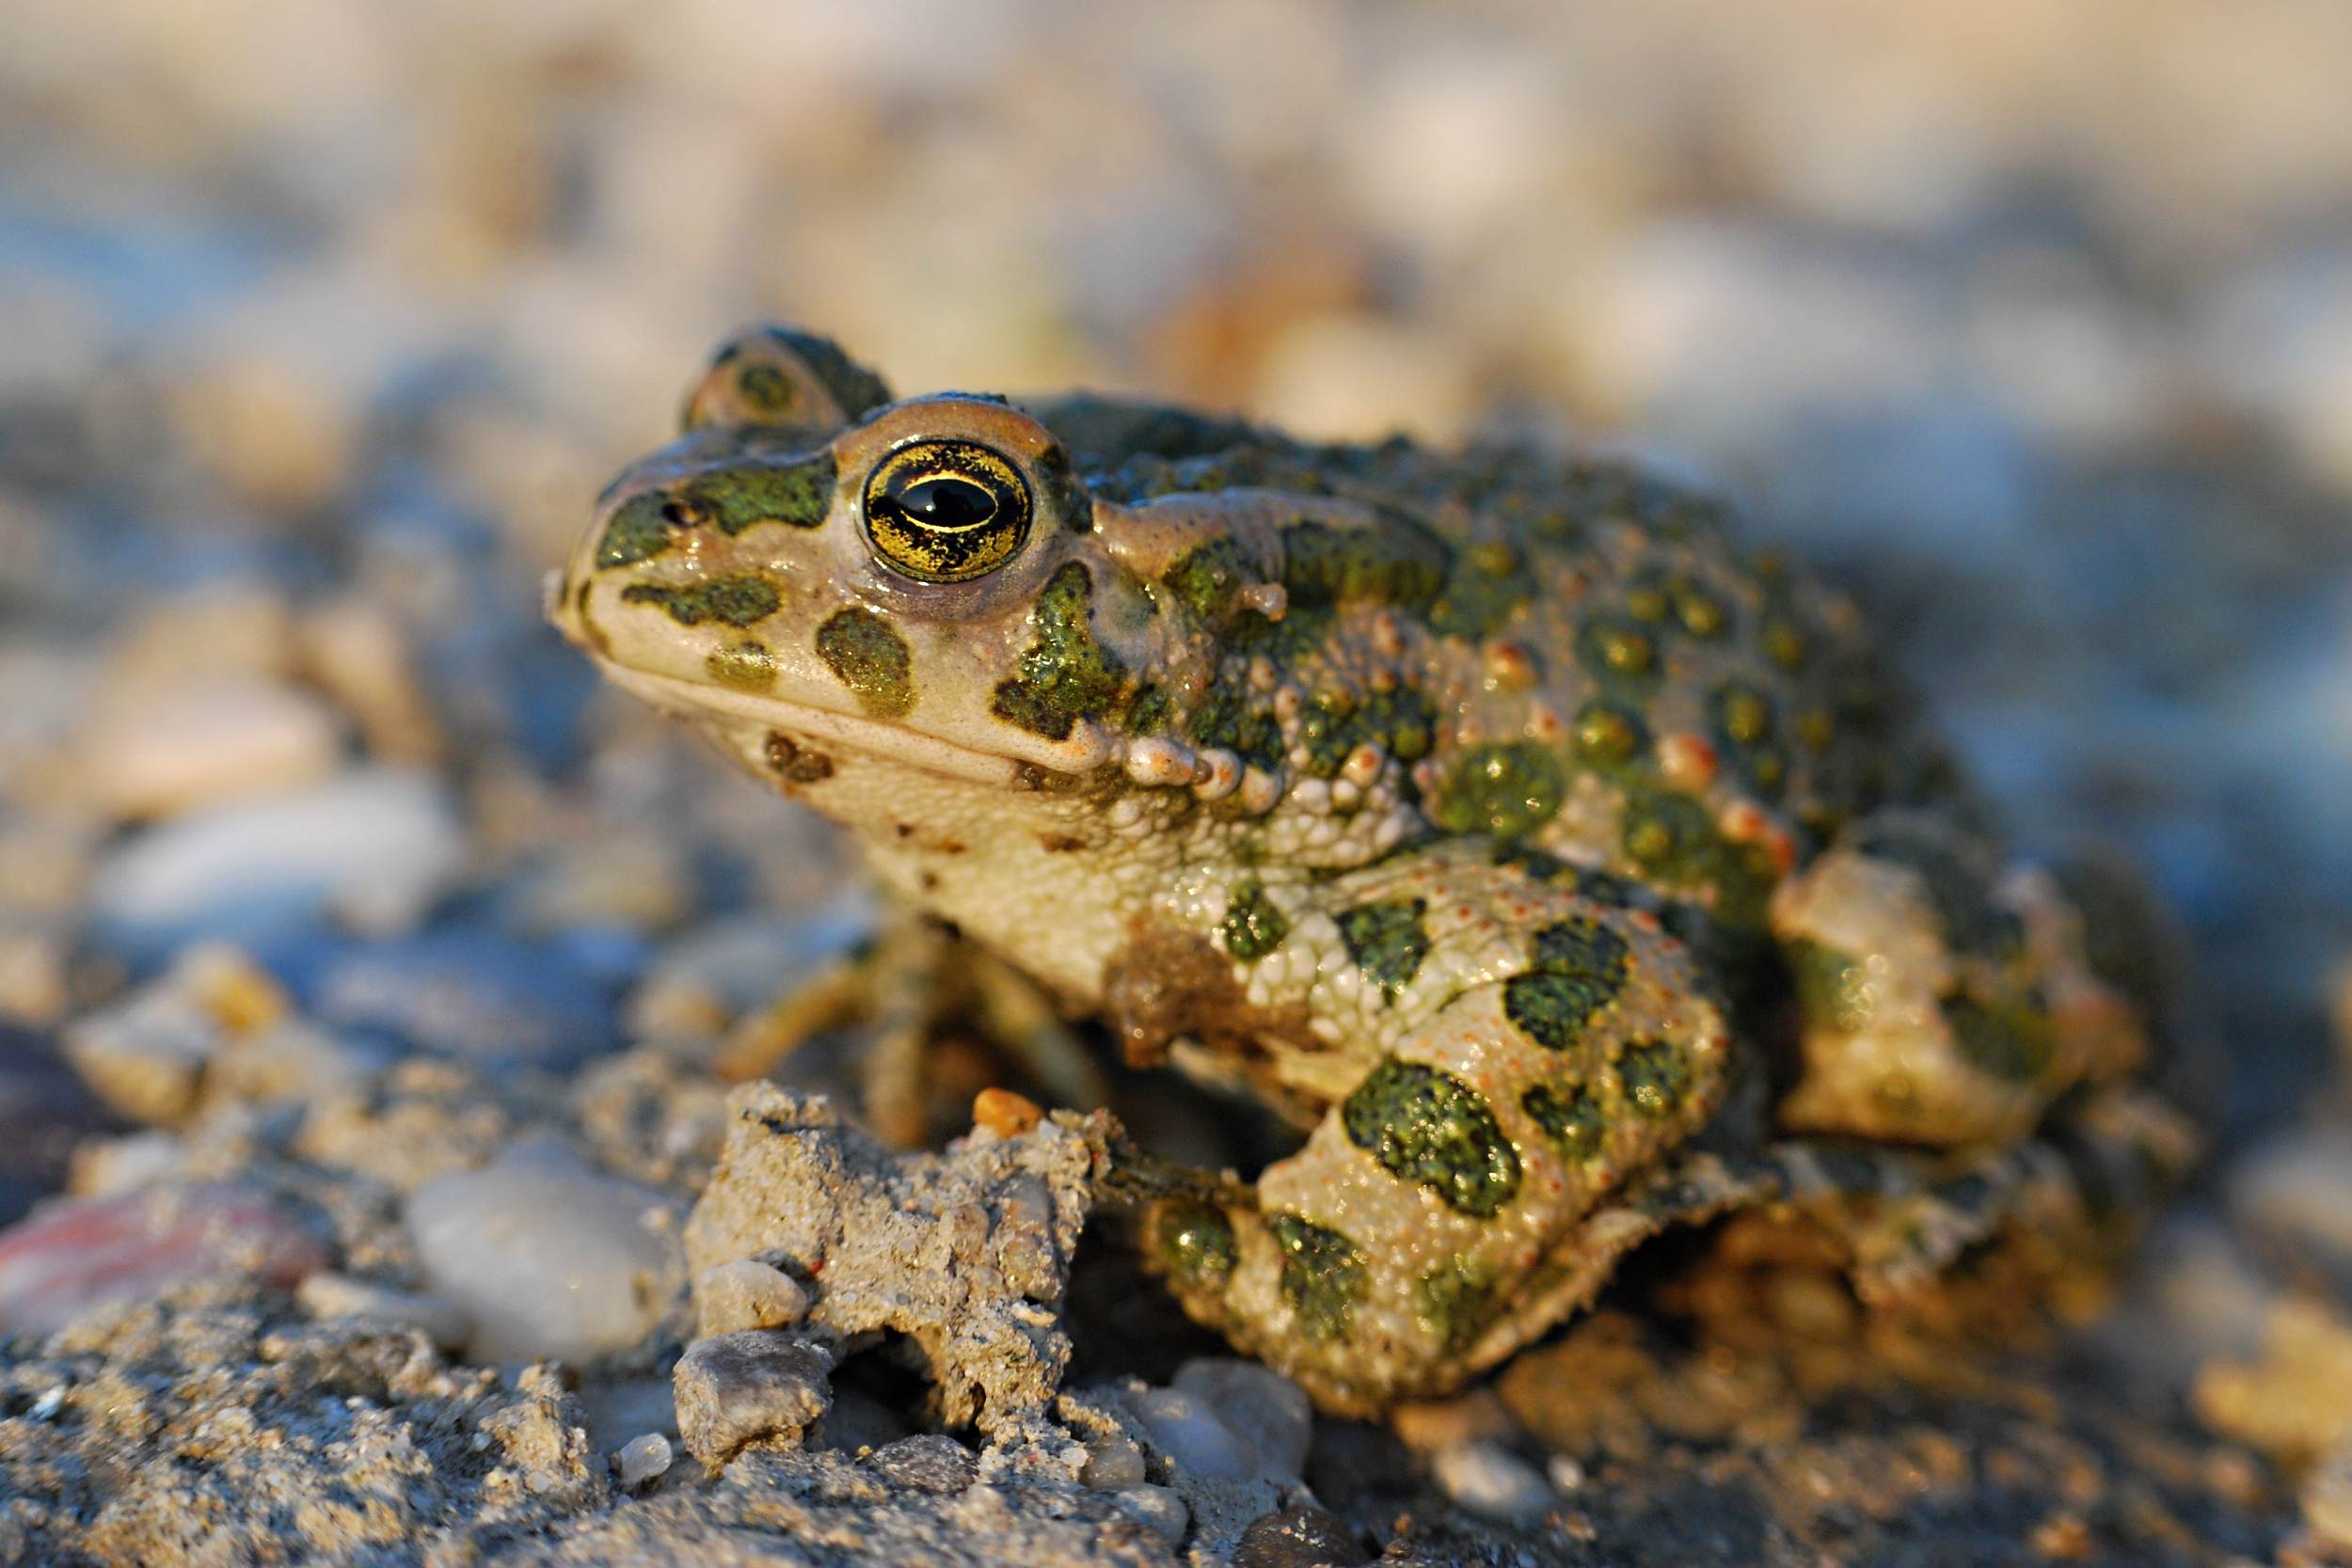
(1087, 749)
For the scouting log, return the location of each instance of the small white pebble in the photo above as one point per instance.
(1254, 1400)
(1112, 1462)
(1564, 1473)
(748, 1294)
(1490, 1480)
(1155, 1508)
(642, 1461)
(1187, 1431)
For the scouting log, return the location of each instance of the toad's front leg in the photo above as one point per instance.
(1507, 1064)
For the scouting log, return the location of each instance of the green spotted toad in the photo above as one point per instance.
(1564, 869)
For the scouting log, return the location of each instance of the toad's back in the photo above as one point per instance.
(1572, 655)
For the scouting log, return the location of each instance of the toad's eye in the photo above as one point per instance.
(945, 511)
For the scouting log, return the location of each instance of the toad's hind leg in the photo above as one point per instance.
(1901, 1218)
(1945, 998)
(1476, 1184)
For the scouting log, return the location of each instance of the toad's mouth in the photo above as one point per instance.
(1087, 749)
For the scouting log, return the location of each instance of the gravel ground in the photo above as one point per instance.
(354, 944)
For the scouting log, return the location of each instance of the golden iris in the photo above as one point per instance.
(945, 511)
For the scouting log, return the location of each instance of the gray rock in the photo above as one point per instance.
(961, 1252)
(1491, 1481)
(373, 846)
(642, 1461)
(1258, 1404)
(1155, 1508)
(202, 742)
(1301, 1536)
(928, 1462)
(748, 1294)
(738, 1388)
(1187, 1431)
(550, 1258)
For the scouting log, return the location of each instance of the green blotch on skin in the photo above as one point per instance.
(2014, 1042)
(1488, 584)
(1253, 926)
(1066, 674)
(1227, 720)
(1673, 840)
(1742, 715)
(1608, 735)
(746, 666)
(1616, 646)
(797, 494)
(1783, 641)
(1581, 945)
(1387, 940)
(1402, 723)
(1554, 1010)
(1206, 578)
(1323, 1275)
(870, 659)
(1508, 789)
(638, 532)
(1396, 563)
(1656, 1079)
(1832, 986)
(1149, 711)
(1195, 1242)
(1746, 725)
(737, 601)
(1678, 600)
(1572, 1119)
(1453, 1301)
(1580, 967)
(1669, 835)
(767, 392)
(1430, 1127)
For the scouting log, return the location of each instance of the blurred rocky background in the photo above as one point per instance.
(321, 323)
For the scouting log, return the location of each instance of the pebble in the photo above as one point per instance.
(1300, 1536)
(748, 1294)
(330, 1295)
(1492, 1481)
(714, 973)
(2296, 1189)
(63, 1263)
(1112, 1462)
(1155, 1508)
(103, 1167)
(1186, 1429)
(1257, 1402)
(926, 1462)
(642, 1461)
(469, 992)
(2327, 1499)
(194, 743)
(145, 1056)
(34, 985)
(551, 1260)
(738, 1388)
(373, 846)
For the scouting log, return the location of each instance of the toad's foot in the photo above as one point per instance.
(914, 978)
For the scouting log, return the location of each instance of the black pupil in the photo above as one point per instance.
(947, 502)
